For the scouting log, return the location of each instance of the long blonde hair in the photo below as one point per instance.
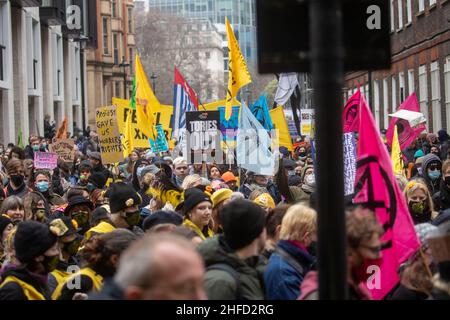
(414, 185)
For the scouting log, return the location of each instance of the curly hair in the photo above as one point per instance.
(361, 225)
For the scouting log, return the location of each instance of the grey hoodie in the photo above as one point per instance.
(433, 186)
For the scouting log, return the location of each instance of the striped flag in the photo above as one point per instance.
(185, 99)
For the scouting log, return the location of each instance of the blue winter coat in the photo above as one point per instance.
(282, 280)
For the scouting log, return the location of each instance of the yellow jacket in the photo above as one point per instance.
(30, 292)
(188, 223)
(97, 281)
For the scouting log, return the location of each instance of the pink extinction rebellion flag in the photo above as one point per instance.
(350, 115)
(406, 134)
(377, 189)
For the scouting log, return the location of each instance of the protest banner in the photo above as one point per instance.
(349, 163)
(160, 145)
(45, 160)
(203, 141)
(64, 148)
(306, 122)
(108, 132)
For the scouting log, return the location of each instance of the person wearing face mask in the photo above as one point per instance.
(441, 199)
(96, 181)
(34, 146)
(139, 165)
(100, 256)
(435, 150)
(16, 179)
(42, 180)
(294, 254)
(364, 249)
(197, 211)
(302, 154)
(124, 205)
(419, 202)
(69, 242)
(84, 170)
(36, 207)
(37, 251)
(80, 209)
(95, 159)
(417, 273)
(431, 172)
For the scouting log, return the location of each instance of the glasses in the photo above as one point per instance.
(434, 166)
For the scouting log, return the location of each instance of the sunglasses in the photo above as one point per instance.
(434, 166)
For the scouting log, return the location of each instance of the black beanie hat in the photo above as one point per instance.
(76, 201)
(242, 222)
(193, 197)
(122, 196)
(32, 239)
(98, 179)
(4, 222)
(161, 217)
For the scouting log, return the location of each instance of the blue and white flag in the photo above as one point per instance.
(260, 110)
(253, 145)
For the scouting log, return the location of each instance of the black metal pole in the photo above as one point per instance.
(327, 74)
(369, 79)
(83, 89)
(125, 83)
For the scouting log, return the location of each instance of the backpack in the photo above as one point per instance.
(233, 273)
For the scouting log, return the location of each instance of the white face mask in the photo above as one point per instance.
(310, 180)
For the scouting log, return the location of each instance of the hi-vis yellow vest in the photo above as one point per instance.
(30, 292)
(97, 281)
(60, 276)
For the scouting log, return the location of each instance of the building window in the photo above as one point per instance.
(376, 102)
(408, 11)
(385, 103)
(423, 91)
(130, 20)
(400, 13)
(401, 85)
(58, 65)
(105, 36)
(115, 49)
(394, 94)
(421, 5)
(411, 88)
(447, 89)
(131, 57)
(117, 89)
(114, 8)
(392, 16)
(33, 47)
(4, 31)
(77, 75)
(435, 96)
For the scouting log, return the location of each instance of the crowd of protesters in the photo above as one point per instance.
(157, 227)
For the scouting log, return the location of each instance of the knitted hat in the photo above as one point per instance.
(418, 154)
(95, 155)
(220, 196)
(33, 239)
(85, 164)
(265, 200)
(242, 222)
(4, 222)
(193, 197)
(229, 177)
(305, 168)
(122, 196)
(98, 179)
(161, 217)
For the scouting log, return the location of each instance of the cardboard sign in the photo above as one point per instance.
(108, 133)
(203, 136)
(45, 160)
(306, 121)
(64, 148)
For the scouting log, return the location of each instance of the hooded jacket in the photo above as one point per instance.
(281, 278)
(19, 283)
(219, 284)
(433, 186)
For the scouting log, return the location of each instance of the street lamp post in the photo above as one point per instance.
(125, 64)
(154, 77)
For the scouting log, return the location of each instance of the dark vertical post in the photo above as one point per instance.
(83, 89)
(327, 74)
(369, 79)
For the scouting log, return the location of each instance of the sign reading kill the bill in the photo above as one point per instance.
(109, 138)
(203, 140)
(64, 148)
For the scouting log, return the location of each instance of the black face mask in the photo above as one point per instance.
(72, 247)
(133, 218)
(447, 181)
(50, 263)
(17, 180)
(420, 212)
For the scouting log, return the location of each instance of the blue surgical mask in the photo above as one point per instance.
(35, 148)
(42, 186)
(434, 175)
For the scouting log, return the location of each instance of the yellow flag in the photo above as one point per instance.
(280, 124)
(238, 75)
(396, 154)
(127, 141)
(214, 106)
(146, 101)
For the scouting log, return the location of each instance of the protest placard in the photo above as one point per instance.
(161, 144)
(45, 160)
(108, 132)
(64, 148)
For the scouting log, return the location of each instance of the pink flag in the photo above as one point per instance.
(377, 189)
(406, 134)
(350, 114)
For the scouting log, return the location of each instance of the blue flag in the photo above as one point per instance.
(260, 110)
(253, 143)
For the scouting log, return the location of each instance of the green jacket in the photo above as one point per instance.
(220, 284)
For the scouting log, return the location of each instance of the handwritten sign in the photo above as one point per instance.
(45, 160)
(108, 133)
(64, 148)
(160, 145)
(349, 162)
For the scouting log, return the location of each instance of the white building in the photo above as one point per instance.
(40, 68)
